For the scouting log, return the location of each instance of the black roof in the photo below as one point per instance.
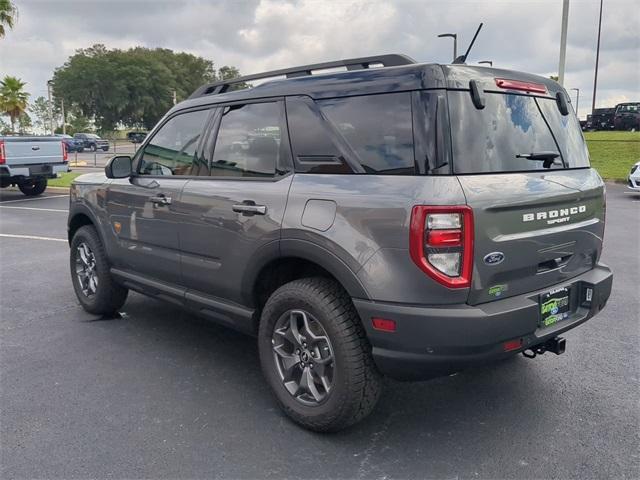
(402, 75)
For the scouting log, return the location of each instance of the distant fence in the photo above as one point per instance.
(99, 158)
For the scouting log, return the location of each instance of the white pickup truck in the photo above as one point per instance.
(29, 161)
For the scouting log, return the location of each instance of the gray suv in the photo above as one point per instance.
(361, 217)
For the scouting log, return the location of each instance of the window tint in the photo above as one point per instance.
(488, 140)
(249, 140)
(377, 128)
(172, 150)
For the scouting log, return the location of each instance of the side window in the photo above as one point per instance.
(378, 128)
(172, 150)
(249, 141)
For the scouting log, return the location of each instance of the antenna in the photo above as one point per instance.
(463, 58)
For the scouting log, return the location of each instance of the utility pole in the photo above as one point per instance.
(50, 107)
(577, 100)
(64, 117)
(563, 40)
(595, 76)
(455, 42)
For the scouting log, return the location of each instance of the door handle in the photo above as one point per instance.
(160, 200)
(249, 207)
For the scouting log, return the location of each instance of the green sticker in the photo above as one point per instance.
(498, 290)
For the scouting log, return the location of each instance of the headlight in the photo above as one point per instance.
(633, 169)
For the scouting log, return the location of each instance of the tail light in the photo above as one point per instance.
(441, 243)
(65, 154)
(3, 155)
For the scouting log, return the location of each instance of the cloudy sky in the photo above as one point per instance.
(255, 35)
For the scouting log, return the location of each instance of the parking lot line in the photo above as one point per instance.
(31, 208)
(33, 237)
(32, 199)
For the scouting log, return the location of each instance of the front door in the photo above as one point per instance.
(235, 214)
(144, 210)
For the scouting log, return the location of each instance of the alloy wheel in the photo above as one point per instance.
(304, 357)
(86, 270)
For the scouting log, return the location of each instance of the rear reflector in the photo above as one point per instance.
(384, 324)
(512, 345)
(522, 86)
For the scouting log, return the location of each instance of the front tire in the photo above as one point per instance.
(316, 357)
(33, 186)
(95, 288)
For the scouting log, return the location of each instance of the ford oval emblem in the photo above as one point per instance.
(494, 258)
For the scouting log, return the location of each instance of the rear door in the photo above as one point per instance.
(144, 211)
(234, 214)
(534, 226)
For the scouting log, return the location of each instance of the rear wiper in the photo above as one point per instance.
(548, 157)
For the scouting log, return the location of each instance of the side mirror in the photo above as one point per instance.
(119, 167)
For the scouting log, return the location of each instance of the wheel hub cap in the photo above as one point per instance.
(303, 356)
(86, 270)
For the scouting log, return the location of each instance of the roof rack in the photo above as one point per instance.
(390, 60)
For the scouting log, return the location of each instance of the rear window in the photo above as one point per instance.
(488, 140)
(378, 128)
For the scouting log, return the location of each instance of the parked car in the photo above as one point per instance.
(72, 144)
(411, 220)
(29, 161)
(92, 142)
(600, 119)
(634, 177)
(627, 116)
(136, 137)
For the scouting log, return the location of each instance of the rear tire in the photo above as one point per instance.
(33, 187)
(320, 309)
(93, 148)
(95, 288)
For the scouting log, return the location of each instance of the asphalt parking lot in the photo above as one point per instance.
(161, 394)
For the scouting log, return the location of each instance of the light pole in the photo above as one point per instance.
(49, 83)
(577, 99)
(595, 77)
(455, 42)
(488, 62)
(563, 41)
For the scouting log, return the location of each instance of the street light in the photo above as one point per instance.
(455, 42)
(49, 83)
(577, 99)
(488, 62)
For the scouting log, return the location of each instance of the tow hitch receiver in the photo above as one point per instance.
(556, 345)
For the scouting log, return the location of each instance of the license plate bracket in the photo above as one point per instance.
(554, 306)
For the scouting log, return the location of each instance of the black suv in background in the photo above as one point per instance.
(92, 142)
(600, 119)
(627, 116)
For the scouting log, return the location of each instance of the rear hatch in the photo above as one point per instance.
(535, 225)
(33, 150)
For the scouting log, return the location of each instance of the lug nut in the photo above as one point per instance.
(304, 345)
(311, 365)
(313, 354)
(297, 351)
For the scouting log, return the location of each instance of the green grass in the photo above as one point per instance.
(613, 153)
(64, 180)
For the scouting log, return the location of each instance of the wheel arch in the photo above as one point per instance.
(80, 216)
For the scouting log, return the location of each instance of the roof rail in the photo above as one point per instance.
(389, 60)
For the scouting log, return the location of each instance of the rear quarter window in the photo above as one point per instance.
(377, 128)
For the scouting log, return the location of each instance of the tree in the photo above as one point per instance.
(13, 98)
(130, 87)
(45, 116)
(24, 123)
(8, 16)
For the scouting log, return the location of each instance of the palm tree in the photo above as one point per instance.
(13, 99)
(8, 16)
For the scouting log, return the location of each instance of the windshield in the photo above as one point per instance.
(509, 128)
(632, 108)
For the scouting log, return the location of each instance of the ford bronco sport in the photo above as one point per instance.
(392, 218)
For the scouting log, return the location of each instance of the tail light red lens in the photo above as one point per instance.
(65, 154)
(3, 155)
(522, 86)
(441, 243)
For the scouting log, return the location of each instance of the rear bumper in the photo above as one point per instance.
(434, 341)
(49, 170)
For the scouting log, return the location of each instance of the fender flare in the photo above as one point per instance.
(304, 250)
